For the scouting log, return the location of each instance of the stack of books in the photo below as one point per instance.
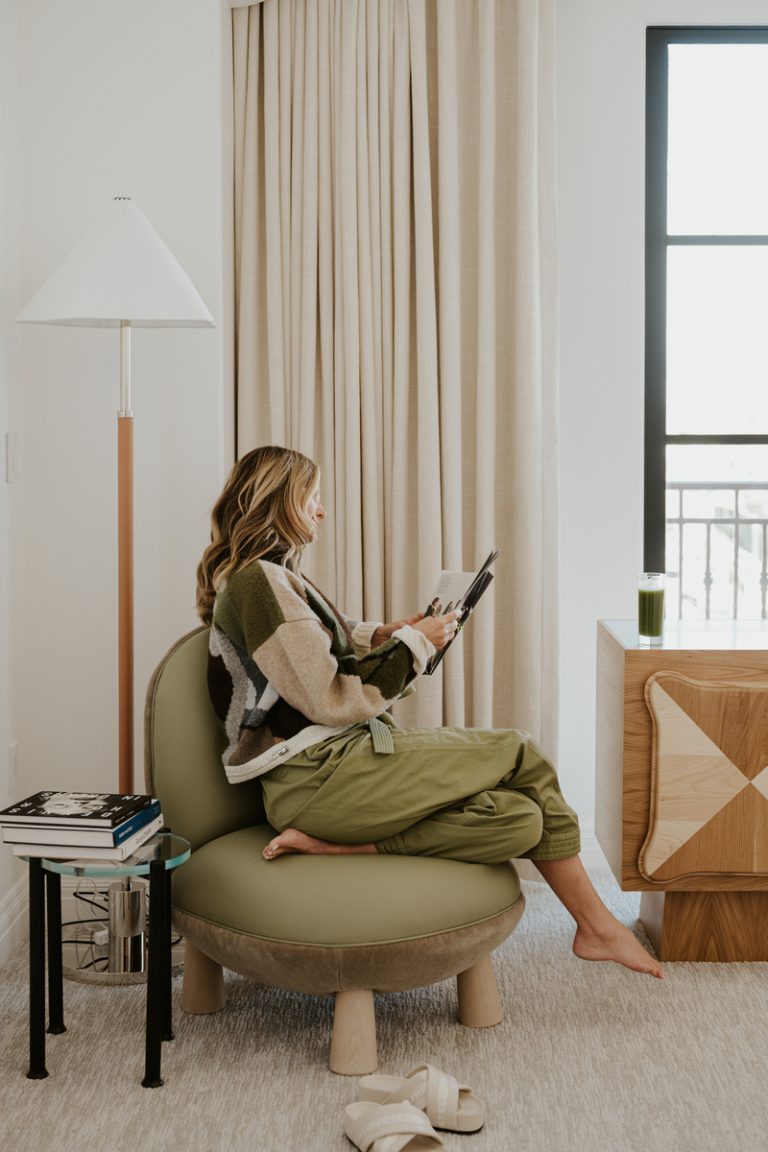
(74, 825)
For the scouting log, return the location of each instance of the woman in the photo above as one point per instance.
(303, 692)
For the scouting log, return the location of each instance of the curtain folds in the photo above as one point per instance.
(395, 313)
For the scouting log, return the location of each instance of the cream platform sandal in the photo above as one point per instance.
(447, 1103)
(389, 1128)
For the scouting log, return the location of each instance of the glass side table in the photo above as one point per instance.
(156, 859)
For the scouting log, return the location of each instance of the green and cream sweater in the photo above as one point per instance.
(286, 670)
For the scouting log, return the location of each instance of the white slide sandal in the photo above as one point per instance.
(389, 1128)
(447, 1103)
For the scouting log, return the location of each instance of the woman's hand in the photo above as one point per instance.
(384, 631)
(437, 629)
(440, 630)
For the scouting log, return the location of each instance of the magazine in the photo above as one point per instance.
(75, 809)
(458, 592)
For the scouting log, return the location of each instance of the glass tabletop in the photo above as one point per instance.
(172, 850)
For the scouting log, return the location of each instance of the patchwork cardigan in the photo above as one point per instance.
(286, 669)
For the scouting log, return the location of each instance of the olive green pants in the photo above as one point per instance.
(479, 795)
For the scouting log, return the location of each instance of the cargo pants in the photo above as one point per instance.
(478, 795)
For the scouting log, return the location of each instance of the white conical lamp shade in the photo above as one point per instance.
(120, 271)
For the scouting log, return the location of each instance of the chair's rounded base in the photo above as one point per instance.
(384, 966)
(361, 970)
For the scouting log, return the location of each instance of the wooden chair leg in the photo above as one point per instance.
(353, 1042)
(478, 994)
(203, 986)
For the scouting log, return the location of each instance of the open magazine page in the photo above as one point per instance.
(458, 592)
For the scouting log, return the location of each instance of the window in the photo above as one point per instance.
(706, 418)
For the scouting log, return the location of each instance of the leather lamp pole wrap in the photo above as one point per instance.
(125, 565)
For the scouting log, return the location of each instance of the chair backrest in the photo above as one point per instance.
(183, 744)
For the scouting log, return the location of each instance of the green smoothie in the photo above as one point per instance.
(650, 611)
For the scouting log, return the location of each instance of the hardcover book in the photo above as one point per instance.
(458, 592)
(117, 852)
(74, 809)
(38, 832)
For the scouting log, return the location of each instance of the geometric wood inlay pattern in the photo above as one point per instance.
(761, 782)
(709, 778)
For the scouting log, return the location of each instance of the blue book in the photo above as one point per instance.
(134, 823)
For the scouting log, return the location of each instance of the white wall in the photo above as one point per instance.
(115, 100)
(601, 111)
(11, 872)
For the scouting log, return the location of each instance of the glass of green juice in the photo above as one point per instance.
(650, 608)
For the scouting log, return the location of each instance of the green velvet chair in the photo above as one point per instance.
(343, 925)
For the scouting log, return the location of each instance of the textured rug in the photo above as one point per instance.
(589, 1058)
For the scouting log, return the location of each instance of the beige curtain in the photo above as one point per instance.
(396, 317)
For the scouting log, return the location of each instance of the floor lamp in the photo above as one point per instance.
(121, 275)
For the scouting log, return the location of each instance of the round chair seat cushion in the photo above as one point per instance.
(387, 922)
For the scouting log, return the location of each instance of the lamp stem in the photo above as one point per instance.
(125, 368)
(125, 565)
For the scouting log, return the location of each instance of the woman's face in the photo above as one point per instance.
(315, 509)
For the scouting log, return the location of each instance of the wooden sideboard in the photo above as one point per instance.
(682, 782)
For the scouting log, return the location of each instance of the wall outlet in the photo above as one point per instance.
(13, 769)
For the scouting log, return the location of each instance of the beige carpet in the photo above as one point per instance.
(589, 1058)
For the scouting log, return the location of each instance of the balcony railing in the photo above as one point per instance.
(717, 537)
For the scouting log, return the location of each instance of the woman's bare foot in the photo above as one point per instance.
(599, 935)
(614, 941)
(292, 840)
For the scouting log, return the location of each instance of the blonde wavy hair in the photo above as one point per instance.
(260, 513)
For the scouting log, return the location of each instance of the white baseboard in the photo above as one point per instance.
(13, 919)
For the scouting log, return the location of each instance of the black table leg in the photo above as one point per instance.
(55, 977)
(155, 967)
(37, 1069)
(167, 967)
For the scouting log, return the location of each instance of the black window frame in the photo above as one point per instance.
(657, 243)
